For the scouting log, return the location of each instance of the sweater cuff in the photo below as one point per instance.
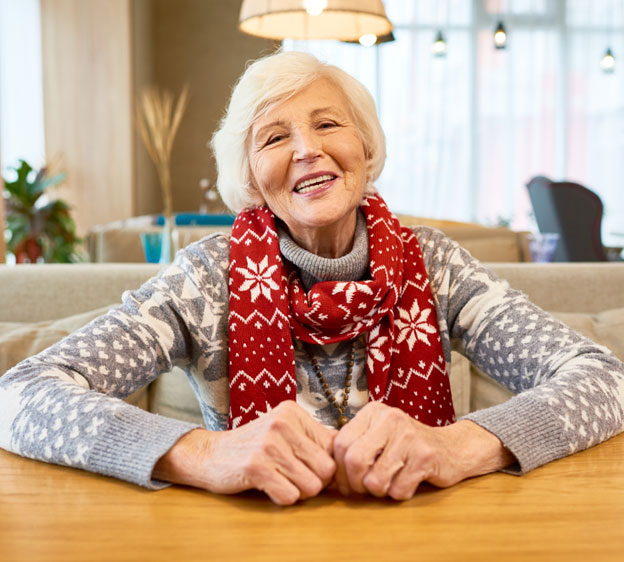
(132, 444)
(528, 428)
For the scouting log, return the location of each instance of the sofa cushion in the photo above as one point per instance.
(172, 396)
(605, 328)
(19, 340)
(472, 389)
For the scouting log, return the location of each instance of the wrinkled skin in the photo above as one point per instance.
(290, 456)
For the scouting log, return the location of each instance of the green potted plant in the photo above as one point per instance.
(39, 230)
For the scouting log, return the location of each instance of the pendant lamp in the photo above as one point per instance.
(500, 36)
(344, 20)
(607, 62)
(438, 48)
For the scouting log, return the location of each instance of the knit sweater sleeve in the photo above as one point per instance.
(65, 404)
(569, 390)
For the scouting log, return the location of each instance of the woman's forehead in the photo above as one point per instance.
(320, 96)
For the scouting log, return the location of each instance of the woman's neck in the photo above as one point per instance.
(313, 268)
(332, 241)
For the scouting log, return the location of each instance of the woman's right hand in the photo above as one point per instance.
(285, 453)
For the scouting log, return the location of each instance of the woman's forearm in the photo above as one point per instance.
(479, 450)
(182, 464)
(46, 417)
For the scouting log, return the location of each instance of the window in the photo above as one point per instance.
(466, 132)
(21, 93)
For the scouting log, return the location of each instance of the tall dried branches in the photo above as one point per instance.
(158, 119)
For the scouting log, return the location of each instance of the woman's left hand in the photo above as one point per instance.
(387, 453)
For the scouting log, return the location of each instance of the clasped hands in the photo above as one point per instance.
(290, 456)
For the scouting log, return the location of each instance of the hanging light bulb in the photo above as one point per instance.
(500, 36)
(368, 40)
(315, 7)
(607, 62)
(438, 48)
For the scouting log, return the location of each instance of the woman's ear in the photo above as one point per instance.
(254, 192)
(369, 166)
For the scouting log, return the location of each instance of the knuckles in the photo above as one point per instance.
(383, 414)
(255, 467)
(341, 445)
(287, 408)
(311, 488)
(375, 485)
(277, 424)
(354, 461)
(327, 468)
(278, 429)
(393, 416)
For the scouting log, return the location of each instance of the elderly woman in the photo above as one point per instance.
(317, 336)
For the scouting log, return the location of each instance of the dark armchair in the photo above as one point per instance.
(572, 211)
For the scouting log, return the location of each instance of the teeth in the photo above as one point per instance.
(308, 185)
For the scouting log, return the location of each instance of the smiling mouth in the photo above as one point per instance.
(311, 184)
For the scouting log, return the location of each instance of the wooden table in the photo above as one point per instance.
(572, 509)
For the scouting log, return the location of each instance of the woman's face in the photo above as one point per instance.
(307, 160)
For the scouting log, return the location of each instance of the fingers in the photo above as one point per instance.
(386, 468)
(283, 477)
(278, 487)
(405, 483)
(381, 452)
(397, 472)
(292, 458)
(356, 429)
(360, 456)
(311, 442)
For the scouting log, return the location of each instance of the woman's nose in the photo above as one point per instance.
(307, 146)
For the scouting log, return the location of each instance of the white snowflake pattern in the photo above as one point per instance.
(258, 278)
(413, 325)
(375, 343)
(350, 288)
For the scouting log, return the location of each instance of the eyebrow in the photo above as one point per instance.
(314, 113)
(270, 125)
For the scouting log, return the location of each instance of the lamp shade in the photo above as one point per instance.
(344, 20)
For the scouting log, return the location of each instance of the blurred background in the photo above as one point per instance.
(468, 122)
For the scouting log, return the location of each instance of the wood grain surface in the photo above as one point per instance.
(572, 509)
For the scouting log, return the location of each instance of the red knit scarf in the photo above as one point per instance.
(269, 307)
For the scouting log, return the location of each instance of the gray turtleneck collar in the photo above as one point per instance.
(312, 268)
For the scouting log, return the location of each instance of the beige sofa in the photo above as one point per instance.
(39, 304)
(120, 241)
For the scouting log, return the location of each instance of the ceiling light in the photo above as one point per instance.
(344, 20)
(368, 40)
(608, 62)
(439, 46)
(314, 7)
(500, 36)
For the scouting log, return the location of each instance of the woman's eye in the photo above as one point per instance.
(327, 124)
(275, 138)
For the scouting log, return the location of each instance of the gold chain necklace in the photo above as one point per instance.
(340, 408)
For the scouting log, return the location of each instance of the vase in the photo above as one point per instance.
(152, 243)
(542, 246)
(29, 250)
(168, 246)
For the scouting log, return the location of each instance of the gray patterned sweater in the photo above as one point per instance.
(65, 404)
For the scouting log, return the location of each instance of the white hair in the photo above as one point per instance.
(265, 82)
